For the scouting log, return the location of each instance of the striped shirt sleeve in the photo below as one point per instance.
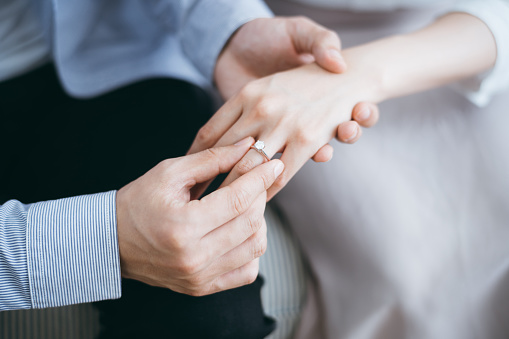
(59, 252)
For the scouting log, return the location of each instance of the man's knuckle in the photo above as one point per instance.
(260, 243)
(260, 248)
(196, 292)
(189, 265)
(166, 165)
(267, 181)
(187, 268)
(245, 165)
(254, 223)
(204, 134)
(210, 154)
(280, 181)
(327, 34)
(196, 282)
(174, 238)
(302, 20)
(251, 275)
(240, 201)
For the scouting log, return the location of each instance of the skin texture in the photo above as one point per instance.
(297, 112)
(195, 247)
(266, 46)
(167, 238)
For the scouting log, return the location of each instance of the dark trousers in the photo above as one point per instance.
(55, 146)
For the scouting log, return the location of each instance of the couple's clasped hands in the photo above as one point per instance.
(170, 239)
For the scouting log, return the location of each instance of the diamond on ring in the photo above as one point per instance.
(259, 146)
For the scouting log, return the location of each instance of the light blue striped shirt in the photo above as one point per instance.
(100, 45)
(59, 252)
(64, 252)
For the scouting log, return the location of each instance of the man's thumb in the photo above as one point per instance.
(324, 45)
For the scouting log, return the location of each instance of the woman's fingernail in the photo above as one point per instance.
(364, 114)
(279, 168)
(244, 142)
(353, 131)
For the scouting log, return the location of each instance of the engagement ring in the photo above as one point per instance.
(259, 146)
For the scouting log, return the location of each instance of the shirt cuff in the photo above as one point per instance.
(72, 250)
(209, 26)
(14, 286)
(494, 14)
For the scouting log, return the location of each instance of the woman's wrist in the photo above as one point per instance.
(369, 65)
(381, 67)
(455, 47)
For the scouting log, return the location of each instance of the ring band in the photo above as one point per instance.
(259, 146)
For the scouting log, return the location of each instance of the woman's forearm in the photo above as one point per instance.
(454, 47)
(297, 112)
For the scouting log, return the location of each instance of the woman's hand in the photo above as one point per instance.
(296, 113)
(263, 47)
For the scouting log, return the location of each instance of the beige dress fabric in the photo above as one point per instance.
(407, 231)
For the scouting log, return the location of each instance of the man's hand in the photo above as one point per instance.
(263, 47)
(195, 247)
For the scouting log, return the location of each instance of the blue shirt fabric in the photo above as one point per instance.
(59, 252)
(65, 251)
(118, 42)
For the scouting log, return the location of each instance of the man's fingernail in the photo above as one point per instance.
(353, 130)
(244, 142)
(306, 58)
(364, 114)
(334, 54)
(279, 168)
